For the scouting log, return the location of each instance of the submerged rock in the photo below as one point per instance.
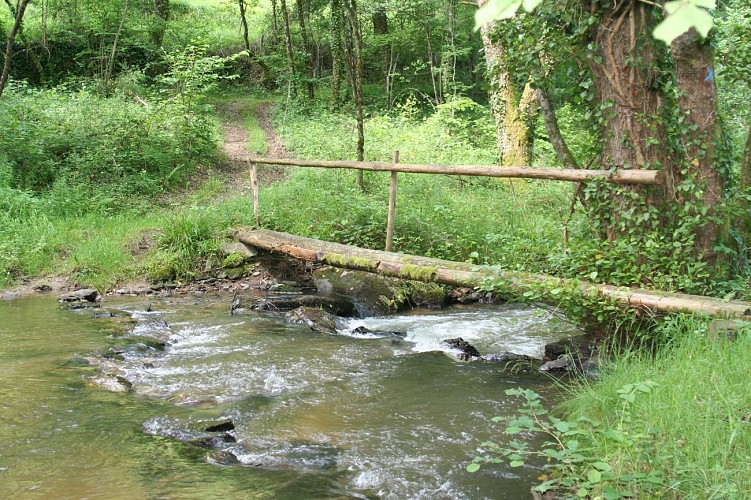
(361, 330)
(564, 362)
(11, 295)
(468, 351)
(506, 356)
(317, 319)
(340, 306)
(80, 299)
(225, 426)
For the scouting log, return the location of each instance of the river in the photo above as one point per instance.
(315, 415)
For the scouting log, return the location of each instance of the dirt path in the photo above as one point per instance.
(235, 146)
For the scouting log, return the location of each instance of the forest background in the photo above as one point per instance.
(111, 169)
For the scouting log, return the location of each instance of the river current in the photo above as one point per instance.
(311, 415)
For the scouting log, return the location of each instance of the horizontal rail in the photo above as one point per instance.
(626, 176)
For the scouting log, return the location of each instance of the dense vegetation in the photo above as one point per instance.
(109, 156)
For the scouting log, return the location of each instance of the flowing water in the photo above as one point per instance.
(351, 415)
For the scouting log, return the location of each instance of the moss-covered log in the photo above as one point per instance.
(462, 274)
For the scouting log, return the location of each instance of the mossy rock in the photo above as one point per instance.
(375, 295)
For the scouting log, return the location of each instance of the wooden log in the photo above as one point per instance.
(626, 176)
(463, 274)
(254, 186)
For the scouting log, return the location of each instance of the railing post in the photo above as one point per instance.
(392, 206)
(254, 186)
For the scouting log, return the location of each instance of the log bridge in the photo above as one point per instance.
(461, 274)
(425, 269)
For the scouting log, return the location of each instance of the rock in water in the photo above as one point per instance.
(502, 357)
(317, 319)
(467, 350)
(225, 426)
(80, 299)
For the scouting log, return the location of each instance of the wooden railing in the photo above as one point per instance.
(624, 176)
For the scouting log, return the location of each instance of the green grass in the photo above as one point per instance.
(697, 418)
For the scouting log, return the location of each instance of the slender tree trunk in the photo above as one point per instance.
(745, 182)
(275, 25)
(244, 24)
(111, 61)
(562, 150)
(698, 101)
(20, 10)
(357, 77)
(431, 67)
(337, 18)
(305, 38)
(162, 12)
(288, 45)
(381, 30)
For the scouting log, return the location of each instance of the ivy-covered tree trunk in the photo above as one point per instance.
(746, 188)
(627, 102)
(694, 63)
(513, 113)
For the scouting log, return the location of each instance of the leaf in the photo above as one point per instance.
(582, 492)
(682, 15)
(496, 10)
(594, 476)
(516, 463)
(473, 467)
(602, 466)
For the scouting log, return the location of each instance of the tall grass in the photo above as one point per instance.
(697, 418)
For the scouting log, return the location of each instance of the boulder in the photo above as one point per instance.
(317, 319)
(375, 295)
(235, 247)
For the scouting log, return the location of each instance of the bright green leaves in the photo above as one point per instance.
(681, 16)
(495, 10)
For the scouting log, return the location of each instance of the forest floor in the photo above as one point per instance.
(235, 117)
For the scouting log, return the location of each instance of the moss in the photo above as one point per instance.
(337, 259)
(233, 260)
(419, 273)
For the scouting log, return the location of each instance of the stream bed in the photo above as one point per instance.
(247, 406)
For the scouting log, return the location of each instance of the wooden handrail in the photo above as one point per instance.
(622, 176)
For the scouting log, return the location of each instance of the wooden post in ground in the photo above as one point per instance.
(392, 206)
(254, 185)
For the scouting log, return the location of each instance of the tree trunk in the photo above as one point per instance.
(162, 12)
(693, 60)
(431, 67)
(20, 10)
(513, 114)
(275, 25)
(306, 48)
(288, 45)
(337, 18)
(746, 189)
(627, 103)
(554, 132)
(357, 77)
(381, 30)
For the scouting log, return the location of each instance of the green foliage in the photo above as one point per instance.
(574, 468)
(114, 145)
(188, 246)
(696, 416)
